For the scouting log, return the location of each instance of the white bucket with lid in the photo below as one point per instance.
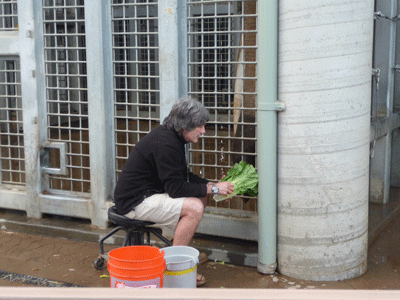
(181, 271)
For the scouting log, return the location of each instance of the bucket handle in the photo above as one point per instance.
(194, 260)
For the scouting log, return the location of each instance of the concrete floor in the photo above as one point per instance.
(39, 253)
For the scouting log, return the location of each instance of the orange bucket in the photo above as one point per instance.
(136, 267)
(136, 256)
(134, 272)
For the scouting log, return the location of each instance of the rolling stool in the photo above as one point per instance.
(135, 231)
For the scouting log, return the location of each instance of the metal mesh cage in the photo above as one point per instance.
(66, 90)
(136, 73)
(8, 15)
(12, 155)
(222, 75)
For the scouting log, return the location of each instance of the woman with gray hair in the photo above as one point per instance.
(188, 114)
(156, 184)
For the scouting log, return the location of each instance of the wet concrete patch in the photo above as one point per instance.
(32, 280)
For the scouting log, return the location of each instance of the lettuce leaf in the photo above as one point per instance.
(244, 177)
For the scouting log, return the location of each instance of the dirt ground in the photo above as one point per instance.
(62, 262)
(33, 260)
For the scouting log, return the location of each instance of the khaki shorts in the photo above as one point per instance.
(160, 209)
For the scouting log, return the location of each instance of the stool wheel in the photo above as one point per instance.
(99, 263)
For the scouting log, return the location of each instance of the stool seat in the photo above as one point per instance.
(135, 231)
(118, 219)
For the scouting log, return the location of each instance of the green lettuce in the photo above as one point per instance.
(244, 177)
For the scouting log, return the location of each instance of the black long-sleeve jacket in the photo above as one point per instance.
(157, 164)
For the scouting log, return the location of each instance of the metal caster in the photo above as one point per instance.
(99, 263)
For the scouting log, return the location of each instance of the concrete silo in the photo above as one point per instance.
(325, 63)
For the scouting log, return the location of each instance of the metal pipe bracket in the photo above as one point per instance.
(274, 106)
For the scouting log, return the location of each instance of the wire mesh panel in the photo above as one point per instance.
(222, 75)
(8, 15)
(12, 155)
(136, 73)
(66, 91)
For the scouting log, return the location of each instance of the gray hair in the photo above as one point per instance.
(187, 113)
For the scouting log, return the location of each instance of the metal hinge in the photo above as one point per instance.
(378, 15)
(29, 34)
(376, 72)
(397, 68)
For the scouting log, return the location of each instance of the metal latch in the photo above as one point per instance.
(52, 153)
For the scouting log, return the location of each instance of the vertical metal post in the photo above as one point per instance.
(267, 81)
(182, 49)
(389, 102)
(168, 55)
(100, 106)
(30, 106)
(384, 59)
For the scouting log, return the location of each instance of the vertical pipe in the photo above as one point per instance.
(267, 42)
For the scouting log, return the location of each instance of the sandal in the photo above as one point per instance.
(203, 258)
(201, 280)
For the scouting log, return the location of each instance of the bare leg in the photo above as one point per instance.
(204, 200)
(191, 215)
